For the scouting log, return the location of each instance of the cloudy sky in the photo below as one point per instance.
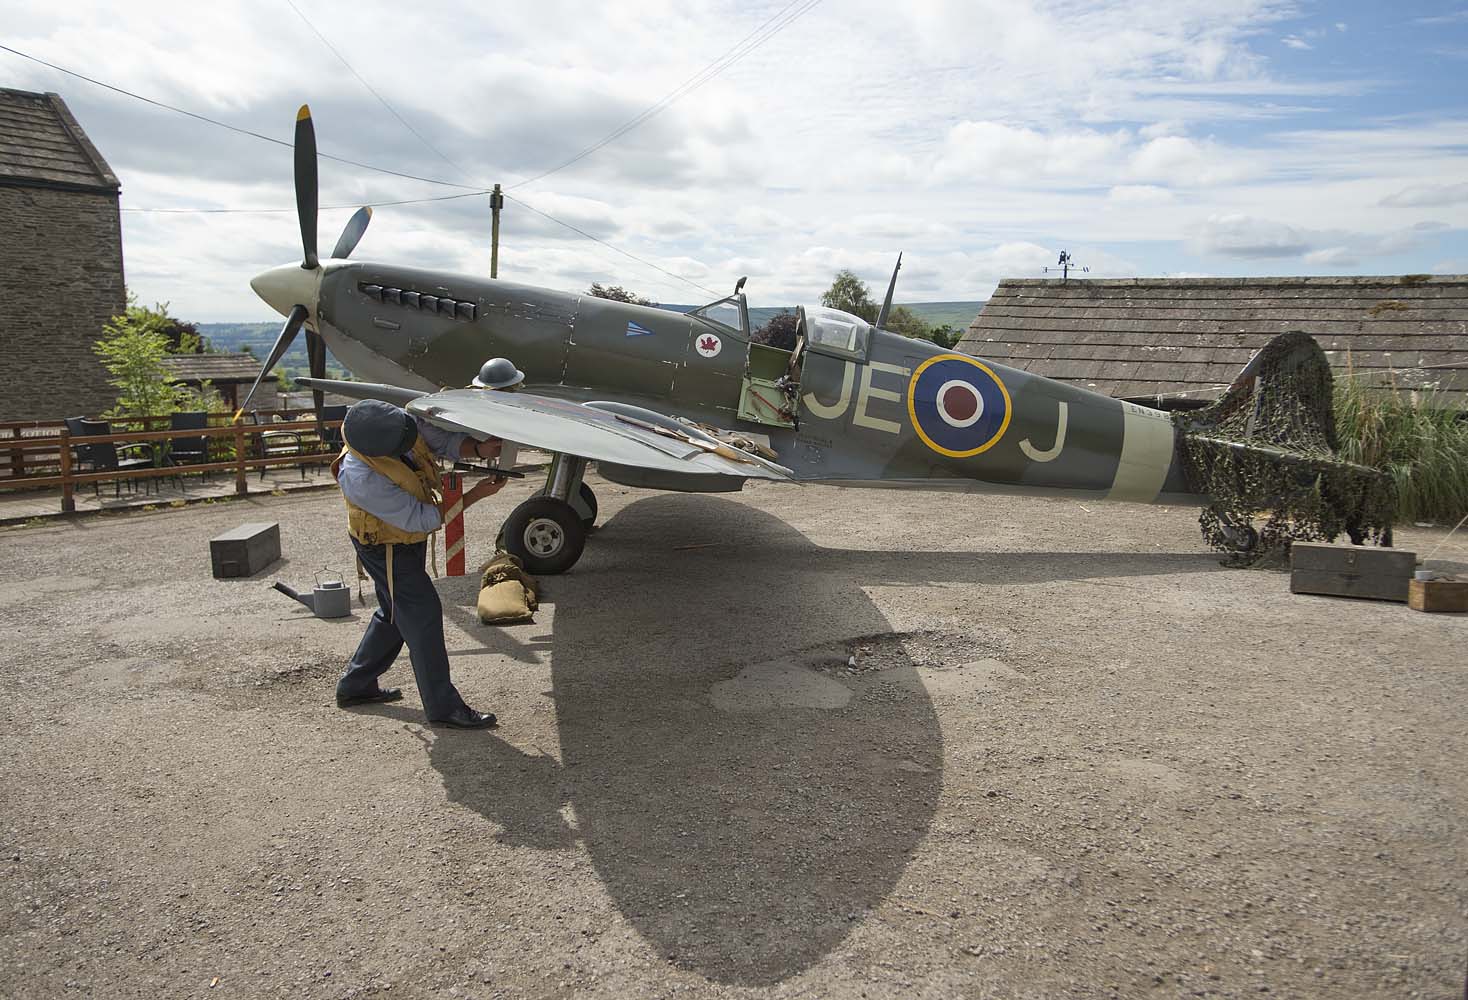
(1149, 137)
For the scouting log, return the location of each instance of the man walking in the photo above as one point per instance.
(389, 478)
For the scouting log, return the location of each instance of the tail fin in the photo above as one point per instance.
(1282, 397)
(1269, 443)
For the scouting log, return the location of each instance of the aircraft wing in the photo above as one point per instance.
(587, 430)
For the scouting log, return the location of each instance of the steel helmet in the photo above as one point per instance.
(376, 428)
(498, 373)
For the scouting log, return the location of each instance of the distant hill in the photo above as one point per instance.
(259, 337)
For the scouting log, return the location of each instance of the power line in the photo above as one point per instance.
(373, 91)
(595, 239)
(740, 49)
(469, 192)
(226, 125)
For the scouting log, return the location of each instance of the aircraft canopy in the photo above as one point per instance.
(832, 331)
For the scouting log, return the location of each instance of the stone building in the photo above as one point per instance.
(60, 260)
(1180, 341)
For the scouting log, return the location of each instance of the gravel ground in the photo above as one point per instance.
(1072, 757)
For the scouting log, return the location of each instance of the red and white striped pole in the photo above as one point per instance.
(453, 524)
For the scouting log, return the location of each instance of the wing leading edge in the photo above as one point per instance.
(570, 428)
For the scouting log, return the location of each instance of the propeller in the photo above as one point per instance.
(316, 357)
(282, 344)
(355, 227)
(305, 162)
(275, 285)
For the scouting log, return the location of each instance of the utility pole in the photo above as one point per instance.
(496, 202)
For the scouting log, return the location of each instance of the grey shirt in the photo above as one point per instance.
(385, 499)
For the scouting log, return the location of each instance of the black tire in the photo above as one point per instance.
(545, 534)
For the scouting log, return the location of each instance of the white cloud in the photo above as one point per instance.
(1182, 161)
(1239, 235)
(1419, 195)
(1339, 257)
(979, 136)
(1128, 195)
(1296, 42)
(987, 150)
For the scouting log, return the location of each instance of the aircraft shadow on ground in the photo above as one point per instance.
(744, 846)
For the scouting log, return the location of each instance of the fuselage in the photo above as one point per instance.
(875, 409)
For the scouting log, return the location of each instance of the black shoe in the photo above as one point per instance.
(465, 717)
(368, 697)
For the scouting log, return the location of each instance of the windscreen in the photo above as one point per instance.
(832, 331)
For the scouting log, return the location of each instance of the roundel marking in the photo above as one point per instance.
(958, 406)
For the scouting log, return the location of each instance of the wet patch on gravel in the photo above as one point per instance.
(885, 667)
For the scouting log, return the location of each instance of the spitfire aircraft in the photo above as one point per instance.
(690, 402)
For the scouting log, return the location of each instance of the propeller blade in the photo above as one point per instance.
(316, 355)
(352, 233)
(306, 185)
(282, 344)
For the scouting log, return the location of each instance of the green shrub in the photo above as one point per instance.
(1419, 440)
(133, 348)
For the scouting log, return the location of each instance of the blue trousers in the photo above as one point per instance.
(412, 614)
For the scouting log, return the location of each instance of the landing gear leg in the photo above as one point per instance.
(547, 533)
(1242, 537)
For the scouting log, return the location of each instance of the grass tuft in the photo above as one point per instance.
(1415, 438)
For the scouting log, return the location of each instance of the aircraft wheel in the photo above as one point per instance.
(546, 535)
(1243, 538)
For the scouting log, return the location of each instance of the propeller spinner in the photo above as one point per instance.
(294, 290)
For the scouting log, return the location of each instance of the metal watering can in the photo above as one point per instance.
(330, 598)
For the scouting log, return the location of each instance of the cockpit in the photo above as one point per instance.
(831, 331)
(731, 312)
(773, 369)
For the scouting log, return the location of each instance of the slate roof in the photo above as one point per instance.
(1188, 337)
(41, 145)
(216, 367)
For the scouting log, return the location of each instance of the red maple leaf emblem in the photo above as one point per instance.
(708, 344)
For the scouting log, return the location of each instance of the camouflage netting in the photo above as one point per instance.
(1268, 446)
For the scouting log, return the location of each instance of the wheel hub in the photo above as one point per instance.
(544, 537)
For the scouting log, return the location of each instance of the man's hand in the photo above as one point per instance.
(484, 488)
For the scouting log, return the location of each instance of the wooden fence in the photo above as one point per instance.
(241, 447)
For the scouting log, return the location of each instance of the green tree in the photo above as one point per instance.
(618, 294)
(850, 294)
(779, 332)
(945, 336)
(133, 348)
(908, 323)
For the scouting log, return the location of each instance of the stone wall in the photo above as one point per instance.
(60, 281)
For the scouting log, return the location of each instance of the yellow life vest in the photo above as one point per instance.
(369, 529)
(421, 483)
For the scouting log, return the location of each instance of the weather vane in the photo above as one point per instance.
(1064, 266)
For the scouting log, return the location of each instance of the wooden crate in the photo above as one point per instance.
(1351, 571)
(1438, 595)
(246, 550)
